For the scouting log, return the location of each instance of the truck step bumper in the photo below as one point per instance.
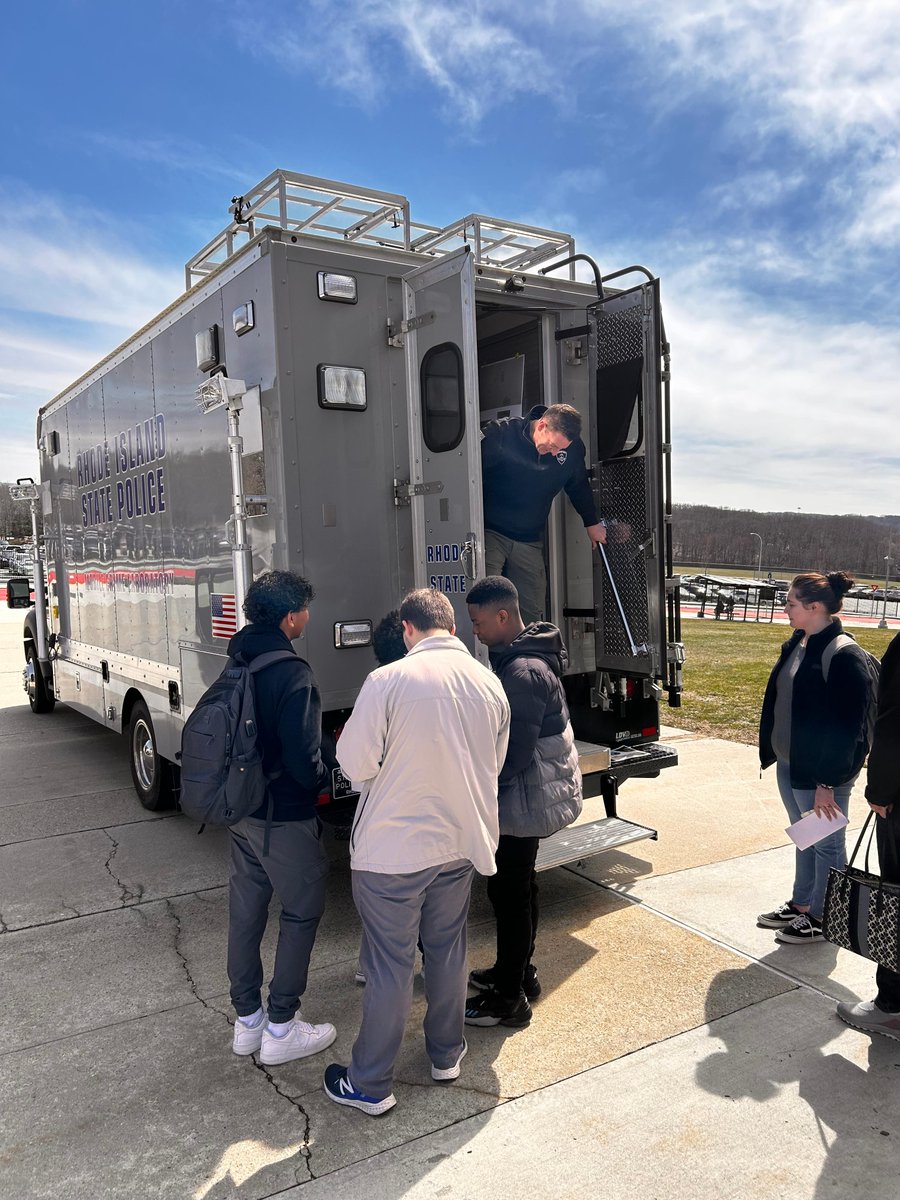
(583, 841)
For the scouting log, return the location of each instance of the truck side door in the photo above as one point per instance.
(627, 447)
(444, 489)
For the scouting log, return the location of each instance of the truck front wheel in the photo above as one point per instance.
(151, 774)
(40, 697)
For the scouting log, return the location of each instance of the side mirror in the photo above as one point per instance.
(18, 592)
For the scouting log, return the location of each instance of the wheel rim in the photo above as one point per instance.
(143, 755)
(30, 680)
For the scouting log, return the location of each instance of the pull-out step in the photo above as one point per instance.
(583, 841)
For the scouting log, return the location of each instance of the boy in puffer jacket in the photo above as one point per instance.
(539, 791)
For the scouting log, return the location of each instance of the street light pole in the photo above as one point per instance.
(759, 564)
(882, 624)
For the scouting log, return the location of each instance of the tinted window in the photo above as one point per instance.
(443, 418)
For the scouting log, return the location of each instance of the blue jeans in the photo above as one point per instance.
(812, 865)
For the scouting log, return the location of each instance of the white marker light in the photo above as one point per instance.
(352, 633)
(336, 287)
(342, 387)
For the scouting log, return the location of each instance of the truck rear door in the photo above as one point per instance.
(444, 488)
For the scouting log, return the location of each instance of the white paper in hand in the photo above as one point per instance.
(811, 829)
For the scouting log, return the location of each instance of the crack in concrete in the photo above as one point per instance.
(182, 957)
(128, 896)
(305, 1149)
(4, 928)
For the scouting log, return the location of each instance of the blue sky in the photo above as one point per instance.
(747, 151)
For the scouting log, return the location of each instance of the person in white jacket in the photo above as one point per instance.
(425, 745)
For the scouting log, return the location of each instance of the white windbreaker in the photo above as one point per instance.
(425, 744)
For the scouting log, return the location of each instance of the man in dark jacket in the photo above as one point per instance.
(539, 791)
(525, 463)
(294, 866)
(882, 1015)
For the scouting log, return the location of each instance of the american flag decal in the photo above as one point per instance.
(224, 615)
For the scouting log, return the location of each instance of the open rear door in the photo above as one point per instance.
(627, 447)
(444, 490)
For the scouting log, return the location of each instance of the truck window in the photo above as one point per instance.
(443, 419)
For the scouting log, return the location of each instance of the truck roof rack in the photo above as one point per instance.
(323, 207)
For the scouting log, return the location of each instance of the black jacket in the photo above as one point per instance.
(520, 485)
(539, 789)
(883, 786)
(828, 720)
(288, 714)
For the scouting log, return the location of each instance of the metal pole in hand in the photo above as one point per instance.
(635, 650)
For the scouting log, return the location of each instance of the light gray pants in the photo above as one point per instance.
(294, 870)
(395, 911)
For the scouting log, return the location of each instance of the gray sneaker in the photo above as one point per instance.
(867, 1016)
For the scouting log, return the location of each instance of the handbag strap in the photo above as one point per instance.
(862, 834)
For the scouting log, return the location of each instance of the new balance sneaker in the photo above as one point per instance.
(360, 975)
(485, 981)
(490, 1008)
(339, 1089)
(779, 917)
(868, 1017)
(452, 1072)
(248, 1038)
(300, 1041)
(802, 931)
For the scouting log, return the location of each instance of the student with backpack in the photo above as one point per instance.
(277, 848)
(814, 726)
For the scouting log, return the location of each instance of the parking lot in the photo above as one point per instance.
(676, 1051)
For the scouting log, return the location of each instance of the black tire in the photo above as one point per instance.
(150, 774)
(40, 697)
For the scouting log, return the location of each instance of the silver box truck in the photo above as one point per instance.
(314, 401)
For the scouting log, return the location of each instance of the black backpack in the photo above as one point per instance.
(222, 776)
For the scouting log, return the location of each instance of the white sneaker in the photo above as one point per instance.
(248, 1038)
(300, 1041)
(442, 1073)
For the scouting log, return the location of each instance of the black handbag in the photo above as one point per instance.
(862, 912)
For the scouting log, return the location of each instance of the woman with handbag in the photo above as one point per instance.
(882, 1015)
(813, 726)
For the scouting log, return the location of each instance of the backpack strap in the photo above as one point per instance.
(259, 664)
(836, 643)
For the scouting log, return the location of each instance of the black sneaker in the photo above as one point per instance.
(484, 981)
(802, 931)
(779, 917)
(491, 1009)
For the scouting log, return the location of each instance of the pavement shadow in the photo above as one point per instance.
(852, 1107)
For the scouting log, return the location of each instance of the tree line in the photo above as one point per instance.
(706, 536)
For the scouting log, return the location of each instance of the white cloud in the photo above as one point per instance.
(473, 58)
(64, 263)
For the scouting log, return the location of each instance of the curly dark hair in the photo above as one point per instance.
(827, 589)
(387, 640)
(275, 594)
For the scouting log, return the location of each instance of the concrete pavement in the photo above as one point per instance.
(677, 1050)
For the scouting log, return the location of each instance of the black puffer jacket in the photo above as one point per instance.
(828, 719)
(289, 717)
(540, 784)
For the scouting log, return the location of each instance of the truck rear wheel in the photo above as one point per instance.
(40, 697)
(150, 773)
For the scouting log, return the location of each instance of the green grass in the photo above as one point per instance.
(725, 672)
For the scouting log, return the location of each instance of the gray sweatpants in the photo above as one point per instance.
(395, 911)
(294, 870)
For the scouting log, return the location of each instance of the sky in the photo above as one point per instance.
(746, 151)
